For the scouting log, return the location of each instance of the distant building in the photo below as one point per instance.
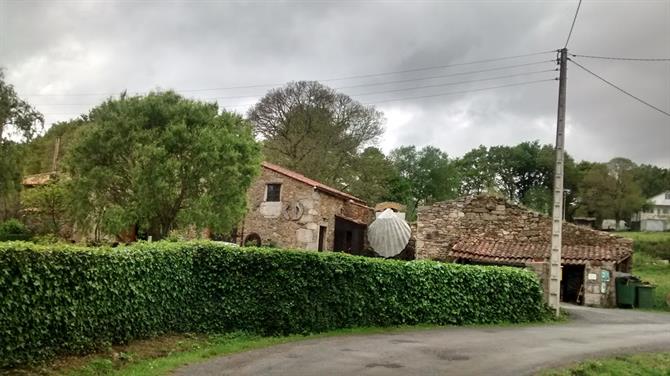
(289, 210)
(656, 217)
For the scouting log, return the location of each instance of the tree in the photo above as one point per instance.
(428, 173)
(372, 177)
(652, 179)
(310, 128)
(19, 122)
(46, 207)
(158, 161)
(627, 195)
(475, 171)
(609, 190)
(17, 117)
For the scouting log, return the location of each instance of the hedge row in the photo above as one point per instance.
(63, 299)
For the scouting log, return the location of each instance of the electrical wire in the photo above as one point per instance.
(395, 99)
(463, 91)
(620, 89)
(573, 24)
(361, 85)
(322, 79)
(620, 58)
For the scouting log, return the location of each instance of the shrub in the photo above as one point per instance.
(66, 299)
(13, 229)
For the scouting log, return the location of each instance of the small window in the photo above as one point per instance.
(273, 192)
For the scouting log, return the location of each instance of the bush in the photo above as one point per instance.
(13, 229)
(65, 299)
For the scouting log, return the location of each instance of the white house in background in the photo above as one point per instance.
(657, 216)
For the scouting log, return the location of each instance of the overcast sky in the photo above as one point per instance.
(58, 53)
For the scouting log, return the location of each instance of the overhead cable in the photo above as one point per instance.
(620, 89)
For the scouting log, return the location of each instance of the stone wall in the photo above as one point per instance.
(268, 220)
(491, 218)
(487, 217)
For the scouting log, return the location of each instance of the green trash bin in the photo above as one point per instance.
(626, 292)
(645, 296)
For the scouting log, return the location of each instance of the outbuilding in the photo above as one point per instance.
(490, 230)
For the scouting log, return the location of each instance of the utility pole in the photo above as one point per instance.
(557, 212)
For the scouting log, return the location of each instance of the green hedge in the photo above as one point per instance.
(63, 299)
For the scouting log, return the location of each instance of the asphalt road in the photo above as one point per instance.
(456, 351)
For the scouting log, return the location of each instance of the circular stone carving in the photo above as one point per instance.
(293, 210)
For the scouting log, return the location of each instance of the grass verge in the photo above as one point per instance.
(650, 364)
(160, 355)
(647, 265)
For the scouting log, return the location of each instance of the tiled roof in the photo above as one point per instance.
(38, 179)
(519, 252)
(302, 178)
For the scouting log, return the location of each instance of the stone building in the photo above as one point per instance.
(289, 210)
(489, 230)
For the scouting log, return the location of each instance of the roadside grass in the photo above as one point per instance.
(160, 355)
(650, 268)
(649, 364)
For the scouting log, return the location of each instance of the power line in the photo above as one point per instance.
(619, 58)
(454, 83)
(573, 24)
(372, 84)
(621, 90)
(463, 91)
(395, 99)
(321, 79)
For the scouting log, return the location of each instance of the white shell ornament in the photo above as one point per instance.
(388, 234)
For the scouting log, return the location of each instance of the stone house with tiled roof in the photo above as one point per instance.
(490, 230)
(289, 210)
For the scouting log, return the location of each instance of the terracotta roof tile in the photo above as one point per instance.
(520, 252)
(302, 178)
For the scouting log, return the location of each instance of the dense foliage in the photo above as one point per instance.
(19, 122)
(160, 161)
(13, 229)
(61, 299)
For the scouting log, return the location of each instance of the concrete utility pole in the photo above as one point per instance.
(557, 212)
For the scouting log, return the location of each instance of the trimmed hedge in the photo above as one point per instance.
(64, 299)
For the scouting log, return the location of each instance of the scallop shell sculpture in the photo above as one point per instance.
(388, 234)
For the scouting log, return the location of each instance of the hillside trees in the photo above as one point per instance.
(19, 122)
(157, 161)
(309, 127)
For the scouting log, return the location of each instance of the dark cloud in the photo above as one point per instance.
(101, 47)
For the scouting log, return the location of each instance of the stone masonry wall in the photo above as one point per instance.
(319, 209)
(487, 217)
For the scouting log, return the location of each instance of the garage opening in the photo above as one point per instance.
(349, 236)
(572, 284)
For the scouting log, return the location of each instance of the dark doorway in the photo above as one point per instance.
(322, 237)
(572, 284)
(349, 236)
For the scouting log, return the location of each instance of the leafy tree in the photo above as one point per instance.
(19, 122)
(628, 196)
(372, 177)
(38, 154)
(652, 179)
(17, 117)
(310, 128)
(158, 161)
(609, 191)
(475, 171)
(46, 207)
(428, 173)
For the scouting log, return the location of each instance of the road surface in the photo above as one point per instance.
(456, 351)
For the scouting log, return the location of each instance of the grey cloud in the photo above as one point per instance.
(104, 47)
